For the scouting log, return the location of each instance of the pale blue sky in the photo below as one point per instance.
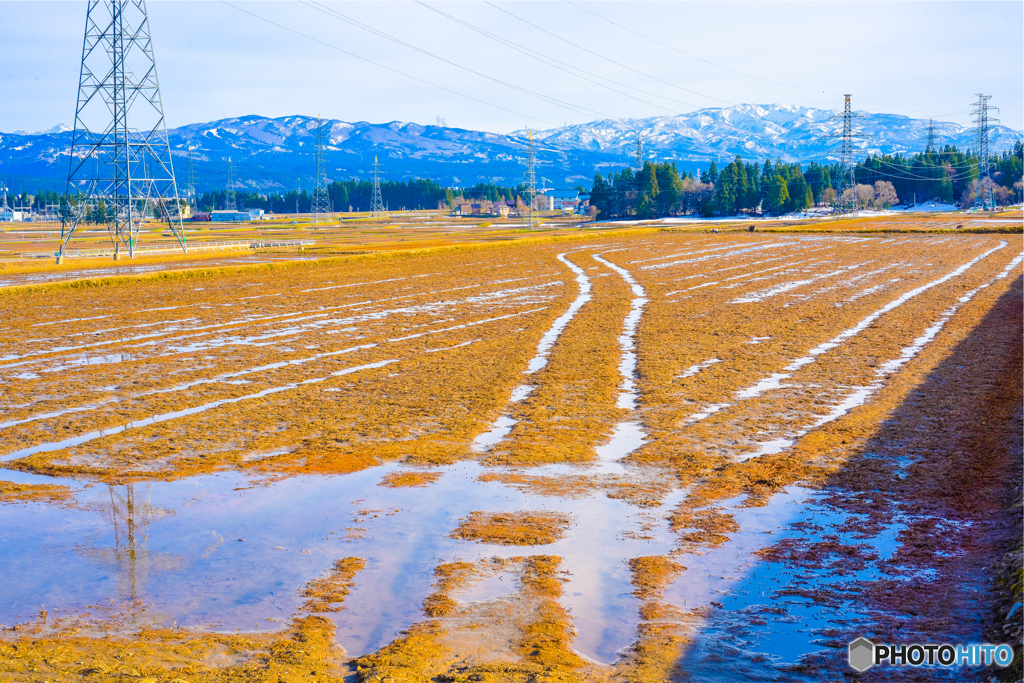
(921, 59)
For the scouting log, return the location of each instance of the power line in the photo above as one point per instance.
(737, 71)
(612, 61)
(693, 56)
(551, 61)
(526, 91)
(387, 68)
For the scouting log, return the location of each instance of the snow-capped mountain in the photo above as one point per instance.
(758, 131)
(277, 153)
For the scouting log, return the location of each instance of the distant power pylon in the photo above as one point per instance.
(230, 202)
(321, 202)
(639, 152)
(846, 202)
(531, 178)
(120, 165)
(930, 146)
(983, 195)
(376, 202)
(190, 189)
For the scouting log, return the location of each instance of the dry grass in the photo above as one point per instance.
(11, 492)
(327, 594)
(409, 478)
(513, 528)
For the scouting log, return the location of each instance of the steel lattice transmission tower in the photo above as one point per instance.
(321, 205)
(846, 203)
(120, 169)
(230, 201)
(190, 188)
(376, 202)
(531, 178)
(639, 152)
(930, 146)
(983, 195)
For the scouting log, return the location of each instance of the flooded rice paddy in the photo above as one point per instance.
(755, 448)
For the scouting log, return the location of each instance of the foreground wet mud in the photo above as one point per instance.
(645, 457)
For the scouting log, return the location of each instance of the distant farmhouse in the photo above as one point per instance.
(492, 209)
(568, 200)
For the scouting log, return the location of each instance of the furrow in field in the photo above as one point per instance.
(573, 406)
(775, 380)
(516, 297)
(503, 424)
(626, 435)
(677, 403)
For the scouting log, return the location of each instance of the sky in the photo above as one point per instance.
(577, 62)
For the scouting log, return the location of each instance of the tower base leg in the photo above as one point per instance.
(117, 256)
(60, 259)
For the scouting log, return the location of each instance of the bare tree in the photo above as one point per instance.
(885, 194)
(865, 196)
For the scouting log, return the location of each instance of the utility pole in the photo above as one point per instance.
(531, 178)
(120, 153)
(983, 195)
(376, 203)
(321, 202)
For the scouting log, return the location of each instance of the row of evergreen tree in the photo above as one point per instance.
(660, 189)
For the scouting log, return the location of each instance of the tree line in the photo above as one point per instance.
(945, 175)
(660, 189)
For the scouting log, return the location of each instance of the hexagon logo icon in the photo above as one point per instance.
(862, 654)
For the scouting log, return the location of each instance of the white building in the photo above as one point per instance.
(229, 216)
(255, 214)
(564, 200)
(8, 215)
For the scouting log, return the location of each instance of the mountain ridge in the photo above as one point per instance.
(270, 154)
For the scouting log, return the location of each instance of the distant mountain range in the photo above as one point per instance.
(277, 154)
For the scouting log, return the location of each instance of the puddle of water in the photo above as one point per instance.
(755, 629)
(155, 419)
(498, 431)
(551, 336)
(174, 546)
(488, 589)
(694, 369)
(626, 438)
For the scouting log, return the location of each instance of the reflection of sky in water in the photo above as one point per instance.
(189, 566)
(745, 586)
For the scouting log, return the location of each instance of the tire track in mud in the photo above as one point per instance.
(574, 386)
(285, 372)
(899, 517)
(627, 435)
(782, 324)
(798, 411)
(503, 424)
(485, 299)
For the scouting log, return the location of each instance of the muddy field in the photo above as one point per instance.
(646, 456)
